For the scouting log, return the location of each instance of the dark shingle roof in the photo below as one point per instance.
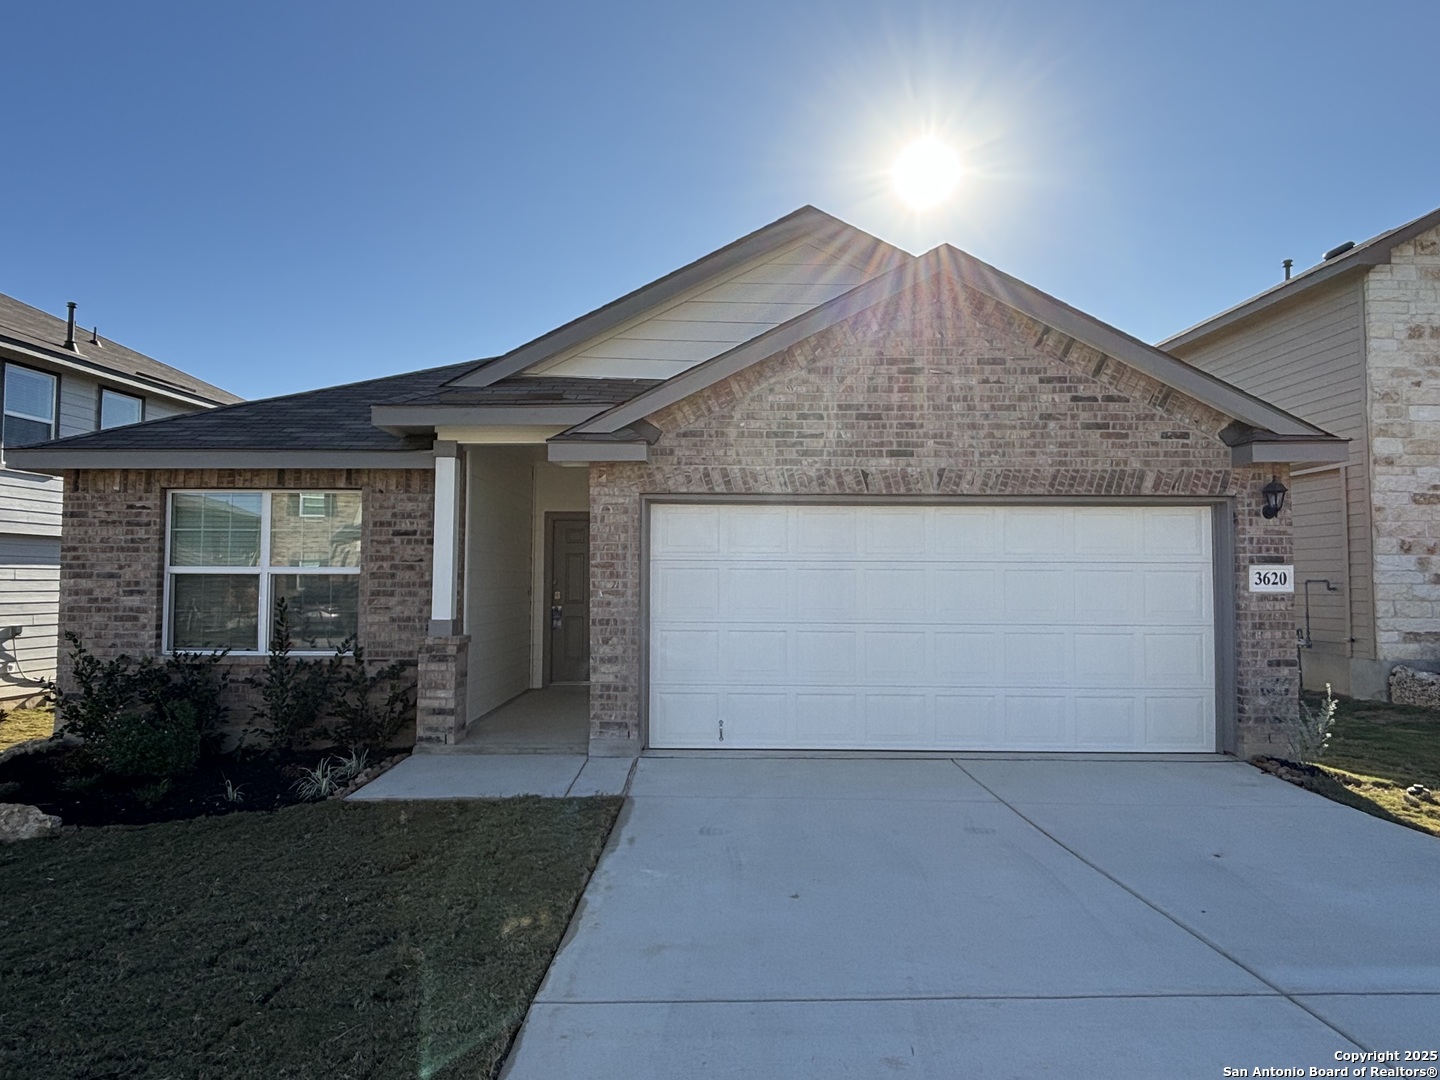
(24, 325)
(333, 418)
(533, 390)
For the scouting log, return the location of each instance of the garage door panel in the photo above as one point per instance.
(1034, 658)
(688, 588)
(754, 593)
(971, 720)
(1107, 533)
(969, 657)
(1037, 594)
(918, 628)
(1176, 596)
(1177, 722)
(894, 595)
(891, 658)
(1037, 531)
(898, 720)
(750, 655)
(890, 533)
(825, 531)
(1035, 721)
(765, 532)
(1106, 723)
(1170, 533)
(827, 719)
(826, 655)
(966, 531)
(683, 655)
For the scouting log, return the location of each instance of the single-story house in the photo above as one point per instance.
(57, 379)
(1353, 344)
(809, 491)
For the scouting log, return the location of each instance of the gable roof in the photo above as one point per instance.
(1373, 252)
(32, 330)
(807, 223)
(1256, 418)
(315, 428)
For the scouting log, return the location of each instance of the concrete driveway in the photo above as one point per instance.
(799, 918)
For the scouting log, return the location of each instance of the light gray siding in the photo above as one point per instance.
(79, 405)
(29, 599)
(498, 507)
(1308, 357)
(29, 503)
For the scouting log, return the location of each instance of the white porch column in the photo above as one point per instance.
(444, 580)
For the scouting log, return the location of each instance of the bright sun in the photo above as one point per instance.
(926, 173)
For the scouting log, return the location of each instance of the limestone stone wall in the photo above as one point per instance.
(1402, 325)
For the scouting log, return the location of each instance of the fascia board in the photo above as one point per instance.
(425, 417)
(575, 452)
(58, 461)
(92, 370)
(1259, 452)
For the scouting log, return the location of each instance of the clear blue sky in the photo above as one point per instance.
(277, 196)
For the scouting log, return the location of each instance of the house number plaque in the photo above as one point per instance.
(1272, 578)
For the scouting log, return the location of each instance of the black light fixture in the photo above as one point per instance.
(1274, 493)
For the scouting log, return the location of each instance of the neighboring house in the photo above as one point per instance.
(809, 491)
(1353, 344)
(60, 380)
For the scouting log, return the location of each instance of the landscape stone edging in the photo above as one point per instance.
(366, 775)
(1409, 686)
(37, 746)
(21, 821)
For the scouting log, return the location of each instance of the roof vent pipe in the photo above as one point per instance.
(70, 328)
(1288, 263)
(95, 336)
(1339, 250)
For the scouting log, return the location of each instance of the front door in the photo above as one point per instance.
(569, 598)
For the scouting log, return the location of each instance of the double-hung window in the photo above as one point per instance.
(232, 555)
(29, 406)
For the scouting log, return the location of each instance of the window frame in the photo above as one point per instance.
(100, 409)
(54, 378)
(263, 569)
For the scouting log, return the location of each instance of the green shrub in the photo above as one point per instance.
(144, 718)
(293, 692)
(368, 709)
(152, 743)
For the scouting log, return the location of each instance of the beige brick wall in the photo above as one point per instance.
(113, 557)
(937, 392)
(1402, 326)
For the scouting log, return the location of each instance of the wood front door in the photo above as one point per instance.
(569, 598)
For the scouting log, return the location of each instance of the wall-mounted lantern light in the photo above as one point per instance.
(1274, 493)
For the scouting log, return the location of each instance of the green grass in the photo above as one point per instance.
(22, 725)
(337, 940)
(1378, 750)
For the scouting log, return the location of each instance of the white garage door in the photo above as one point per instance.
(932, 628)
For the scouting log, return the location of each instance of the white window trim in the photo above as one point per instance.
(100, 408)
(8, 410)
(264, 570)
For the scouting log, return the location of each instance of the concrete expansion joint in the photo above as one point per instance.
(1292, 998)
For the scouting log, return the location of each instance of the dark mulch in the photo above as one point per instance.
(64, 782)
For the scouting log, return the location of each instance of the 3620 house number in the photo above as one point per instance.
(1274, 579)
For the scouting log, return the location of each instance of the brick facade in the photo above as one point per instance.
(113, 557)
(1402, 329)
(938, 392)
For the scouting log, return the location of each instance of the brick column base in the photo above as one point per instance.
(441, 695)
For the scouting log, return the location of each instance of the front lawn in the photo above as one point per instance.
(1376, 752)
(332, 940)
(22, 725)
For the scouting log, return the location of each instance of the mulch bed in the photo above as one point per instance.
(63, 782)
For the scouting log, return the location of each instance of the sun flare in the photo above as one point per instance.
(926, 173)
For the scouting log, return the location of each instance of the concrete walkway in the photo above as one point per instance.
(810, 918)
(498, 776)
